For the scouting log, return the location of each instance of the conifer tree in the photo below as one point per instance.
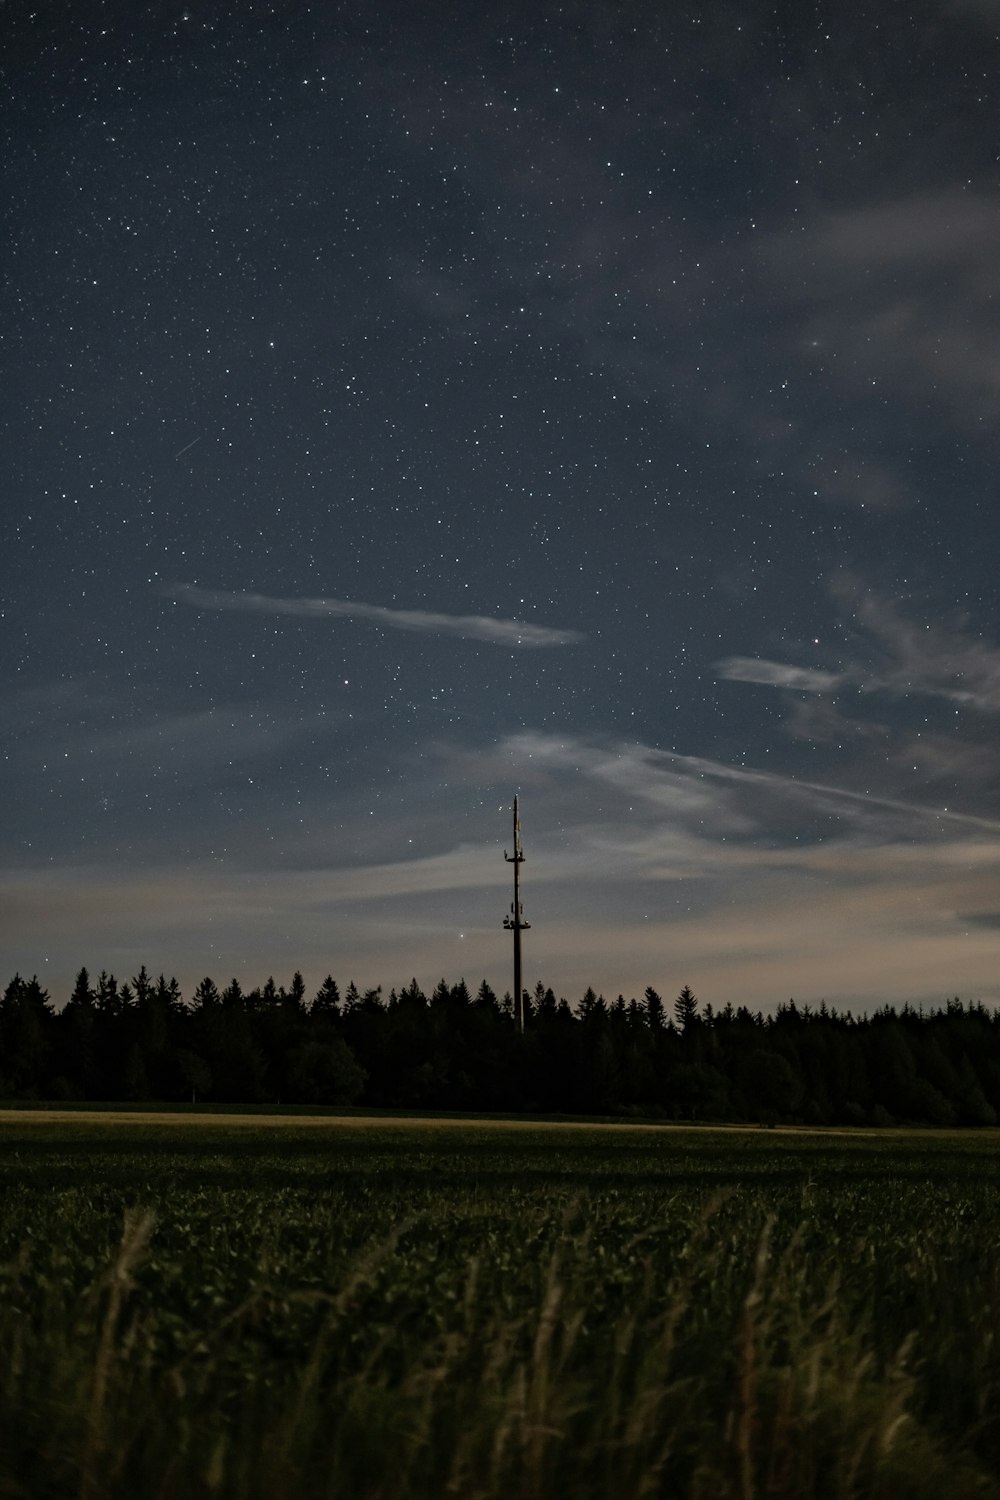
(326, 1001)
(686, 1009)
(82, 997)
(655, 1010)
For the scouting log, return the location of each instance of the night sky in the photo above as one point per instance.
(408, 406)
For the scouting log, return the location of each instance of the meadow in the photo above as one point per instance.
(247, 1306)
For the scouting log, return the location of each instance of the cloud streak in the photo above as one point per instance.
(514, 634)
(914, 659)
(930, 659)
(778, 674)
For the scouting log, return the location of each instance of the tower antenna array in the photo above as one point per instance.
(515, 923)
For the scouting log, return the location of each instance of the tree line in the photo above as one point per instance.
(454, 1050)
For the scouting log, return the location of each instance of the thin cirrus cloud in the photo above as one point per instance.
(929, 658)
(709, 806)
(863, 484)
(934, 342)
(778, 674)
(954, 227)
(515, 634)
(912, 658)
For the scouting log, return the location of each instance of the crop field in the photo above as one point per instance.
(256, 1306)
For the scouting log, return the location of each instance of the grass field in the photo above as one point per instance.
(250, 1306)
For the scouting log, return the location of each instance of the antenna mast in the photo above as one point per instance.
(515, 922)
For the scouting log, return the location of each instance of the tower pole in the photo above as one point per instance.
(515, 922)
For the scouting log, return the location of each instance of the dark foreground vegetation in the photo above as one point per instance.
(372, 1310)
(456, 1051)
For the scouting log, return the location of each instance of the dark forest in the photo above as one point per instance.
(454, 1050)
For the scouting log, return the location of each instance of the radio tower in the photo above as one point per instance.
(515, 923)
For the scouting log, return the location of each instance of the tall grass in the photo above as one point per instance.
(440, 1336)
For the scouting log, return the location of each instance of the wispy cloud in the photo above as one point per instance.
(927, 229)
(778, 674)
(82, 722)
(704, 810)
(926, 657)
(515, 634)
(861, 483)
(901, 295)
(907, 658)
